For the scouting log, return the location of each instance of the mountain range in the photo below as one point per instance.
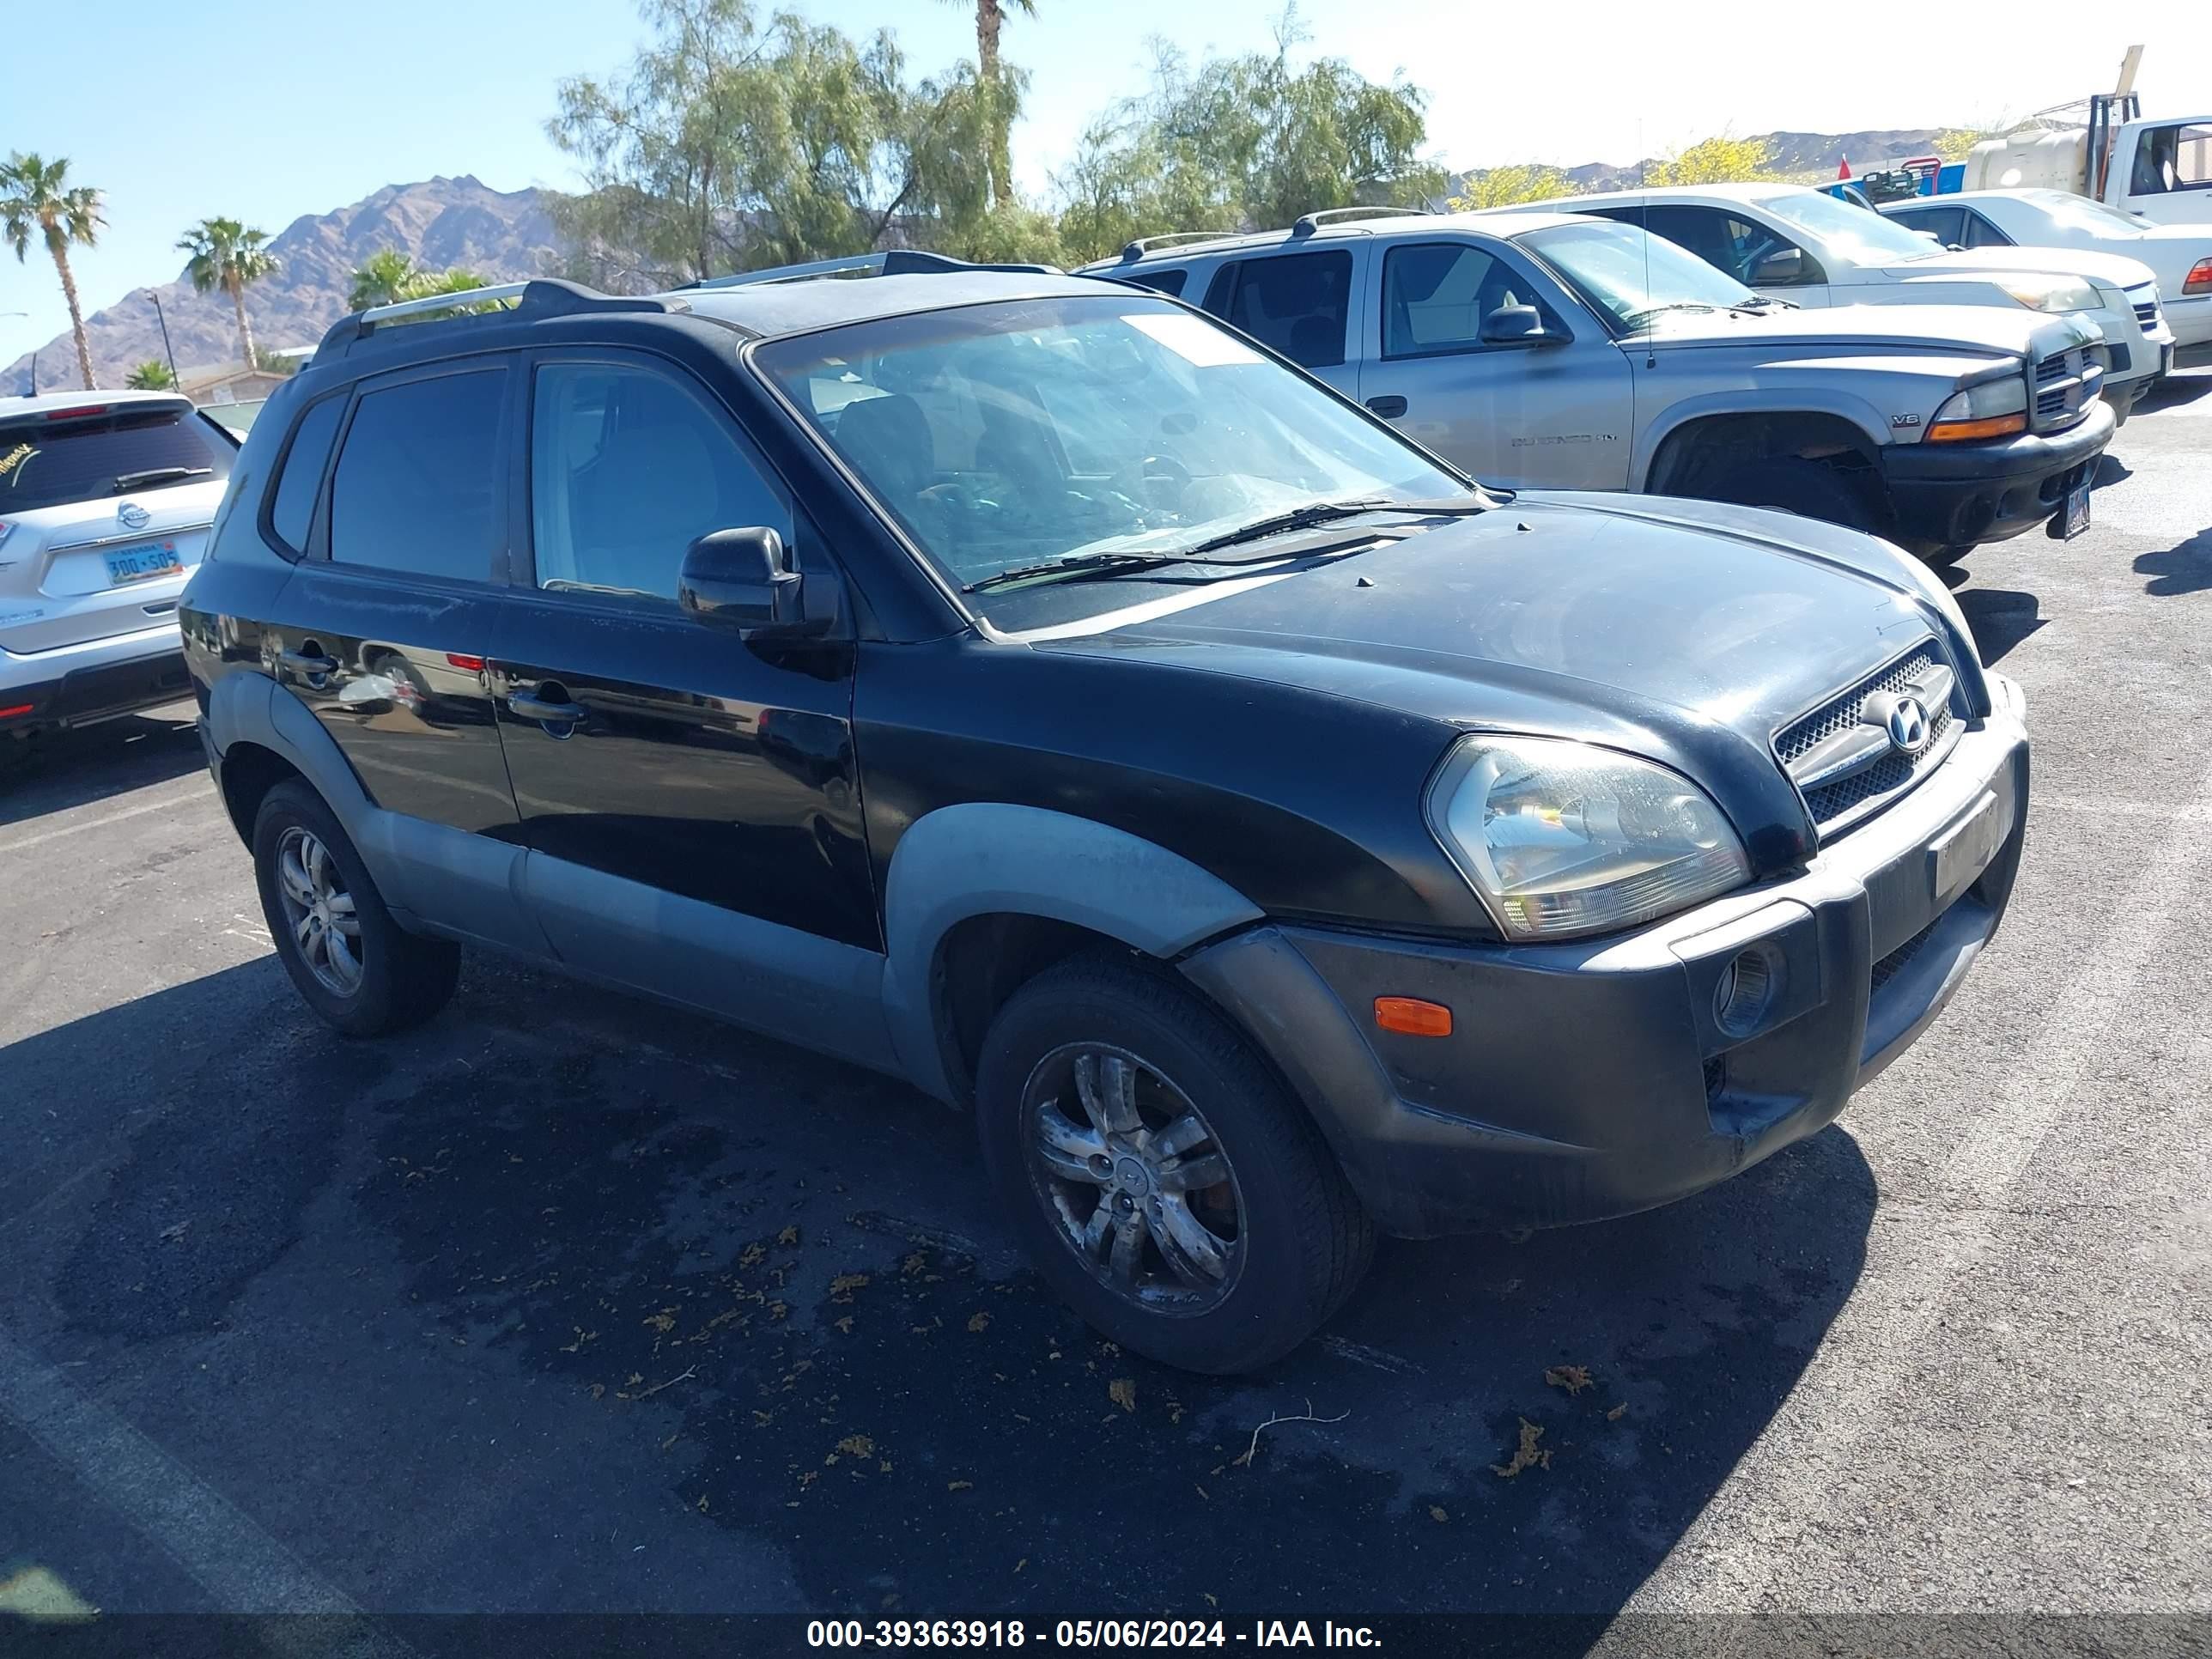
(507, 235)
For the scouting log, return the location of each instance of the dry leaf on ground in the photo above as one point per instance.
(1525, 1456)
(1122, 1391)
(1573, 1378)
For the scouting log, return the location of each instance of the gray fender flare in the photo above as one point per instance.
(249, 708)
(982, 857)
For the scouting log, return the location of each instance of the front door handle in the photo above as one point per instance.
(309, 662)
(537, 709)
(1389, 407)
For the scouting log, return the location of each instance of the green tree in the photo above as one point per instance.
(1244, 141)
(1718, 161)
(37, 198)
(226, 255)
(731, 143)
(1000, 86)
(152, 375)
(1505, 186)
(381, 279)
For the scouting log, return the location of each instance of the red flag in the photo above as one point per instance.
(1843, 170)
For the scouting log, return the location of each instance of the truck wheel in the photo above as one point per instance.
(1162, 1179)
(1807, 489)
(356, 966)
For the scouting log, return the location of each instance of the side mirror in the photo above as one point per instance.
(741, 579)
(1516, 326)
(1780, 269)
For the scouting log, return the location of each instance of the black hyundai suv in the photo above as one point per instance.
(1029, 687)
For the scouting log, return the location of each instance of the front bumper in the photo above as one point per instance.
(1959, 494)
(79, 684)
(1593, 1079)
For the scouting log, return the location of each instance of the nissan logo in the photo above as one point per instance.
(134, 516)
(1907, 726)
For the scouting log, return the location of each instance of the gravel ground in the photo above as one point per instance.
(567, 1304)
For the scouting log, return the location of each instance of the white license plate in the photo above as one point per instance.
(2074, 518)
(1966, 848)
(139, 564)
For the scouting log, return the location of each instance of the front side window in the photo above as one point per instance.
(1298, 304)
(1162, 281)
(1435, 294)
(1633, 275)
(1948, 225)
(420, 478)
(1980, 233)
(1110, 424)
(627, 468)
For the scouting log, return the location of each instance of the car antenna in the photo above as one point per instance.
(1642, 183)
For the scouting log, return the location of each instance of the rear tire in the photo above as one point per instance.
(373, 979)
(1114, 1105)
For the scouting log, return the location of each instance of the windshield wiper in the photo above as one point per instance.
(1757, 300)
(156, 475)
(1319, 512)
(1636, 318)
(1071, 564)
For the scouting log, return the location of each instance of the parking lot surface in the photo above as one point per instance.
(567, 1303)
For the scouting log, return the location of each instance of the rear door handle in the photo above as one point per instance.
(537, 709)
(308, 662)
(1389, 407)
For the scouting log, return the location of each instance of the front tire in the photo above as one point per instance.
(354, 965)
(1162, 1181)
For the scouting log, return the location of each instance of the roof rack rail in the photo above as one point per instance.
(1136, 250)
(1309, 222)
(893, 261)
(541, 296)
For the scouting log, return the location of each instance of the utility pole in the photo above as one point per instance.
(167, 350)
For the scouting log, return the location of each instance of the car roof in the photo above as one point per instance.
(1491, 222)
(1747, 191)
(46, 402)
(772, 308)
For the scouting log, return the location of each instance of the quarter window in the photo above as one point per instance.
(1162, 281)
(292, 507)
(1297, 303)
(419, 479)
(1435, 297)
(627, 469)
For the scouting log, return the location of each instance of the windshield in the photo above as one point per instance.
(1855, 233)
(49, 460)
(1006, 436)
(2079, 213)
(1630, 275)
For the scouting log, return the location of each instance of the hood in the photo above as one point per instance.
(1671, 629)
(1991, 329)
(2112, 270)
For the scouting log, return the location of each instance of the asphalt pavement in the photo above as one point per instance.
(571, 1304)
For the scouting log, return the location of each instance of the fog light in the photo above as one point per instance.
(1745, 991)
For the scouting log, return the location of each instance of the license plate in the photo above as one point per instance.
(2072, 519)
(138, 564)
(1966, 848)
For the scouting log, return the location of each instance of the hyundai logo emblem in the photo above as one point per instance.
(1907, 726)
(134, 516)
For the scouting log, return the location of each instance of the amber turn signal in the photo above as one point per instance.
(1411, 1016)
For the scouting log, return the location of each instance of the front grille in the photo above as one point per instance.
(2066, 385)
(2147, 314)
(1830, 804)
(1893, 965)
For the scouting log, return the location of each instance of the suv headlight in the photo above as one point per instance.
(2050, 293)
(1560, 839)
(1993, 409)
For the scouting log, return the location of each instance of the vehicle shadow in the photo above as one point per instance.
(68, 768)
(2185, 568)
(2001, 618)
(781, 1282)
(2174, 391)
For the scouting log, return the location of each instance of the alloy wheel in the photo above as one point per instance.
(324, 925)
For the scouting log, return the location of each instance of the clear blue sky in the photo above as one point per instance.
(268, 109)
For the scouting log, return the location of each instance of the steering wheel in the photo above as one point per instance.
(1139, 481)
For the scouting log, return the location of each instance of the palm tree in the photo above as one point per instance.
(35, 195)
(382, 279)
(990, 16)
(229, 255)
(152, 375)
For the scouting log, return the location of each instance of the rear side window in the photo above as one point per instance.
(1297, 303)
(292, 507)
(627, 469)
(46, 461)
(419, 480)
(1161, 282)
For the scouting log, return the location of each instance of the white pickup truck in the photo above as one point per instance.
(2102, 146)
